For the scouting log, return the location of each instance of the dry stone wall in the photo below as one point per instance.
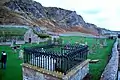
(110, 72)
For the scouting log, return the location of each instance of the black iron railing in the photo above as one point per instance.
(62, 59)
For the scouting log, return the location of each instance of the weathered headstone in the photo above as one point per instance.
(60, 41)
(14, 41)
(93, 49)
(21, 54)
(76, 43)
(49, 42)
(55, 41)
(38, 40)
(86, 43)
(105, 43)
(42, 50)
(12, 44)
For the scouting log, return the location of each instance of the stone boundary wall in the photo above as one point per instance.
(17, 26)
(9, 43)
(81, 34)
(110, 71)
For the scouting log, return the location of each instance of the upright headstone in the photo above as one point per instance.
(14, 41)
(38, 40)
(55, 41)
(42, 50)
(93, 48)
(12, 44)
(67, 46)
(104, 43)
(59, 41)
(21, 54)
(76, 42)
(49, 42)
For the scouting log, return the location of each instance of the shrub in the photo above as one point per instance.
(41, 35)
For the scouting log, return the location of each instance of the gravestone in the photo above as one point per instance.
(21, 54)
(105, 43)
(38, 41)
(49, 42)
(93, 49)
(67, 46)
(55, 41)
(86, 43)
(101, 43)
(42, 50)
(12, 44)
(60, 41)
(76, 43)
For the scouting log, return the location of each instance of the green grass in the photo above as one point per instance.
(12, 31)
(102, 54)
(14, 70)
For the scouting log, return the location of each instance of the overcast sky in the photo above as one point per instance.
(103, 13)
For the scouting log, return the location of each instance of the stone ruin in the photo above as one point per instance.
(31, 37)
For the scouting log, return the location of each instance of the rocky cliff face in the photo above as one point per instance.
(28, 7)
(65, 17)
(53, 18)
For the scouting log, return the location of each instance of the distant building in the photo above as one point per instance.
(31, 37)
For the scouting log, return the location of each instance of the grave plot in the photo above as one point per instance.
(60, 58)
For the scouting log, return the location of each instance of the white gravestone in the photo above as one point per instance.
(21, 54)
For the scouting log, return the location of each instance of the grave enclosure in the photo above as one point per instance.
(55, 62)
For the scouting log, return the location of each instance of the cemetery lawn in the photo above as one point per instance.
(102, 54)
(14, 69)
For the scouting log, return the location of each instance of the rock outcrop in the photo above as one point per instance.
(65, 17)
